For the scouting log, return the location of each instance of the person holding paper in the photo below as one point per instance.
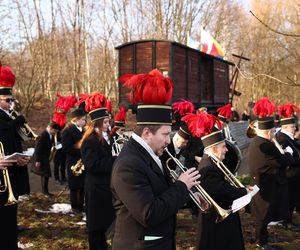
(42, 155)
(267, 164)
(146, 200)
(227, 233)
(11, 144)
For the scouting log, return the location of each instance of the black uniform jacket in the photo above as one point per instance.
(193, 148)
(226, 234)
(71, 135)
(284, 140)
(98, 160)
(267, 168)
(42, 153)
(146, 202)
(9, 139)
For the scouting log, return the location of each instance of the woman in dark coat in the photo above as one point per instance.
(71, 136)
(97, 158)
(42, 155)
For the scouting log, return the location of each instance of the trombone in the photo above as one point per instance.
(78, 168)
(208, 201)
(6, 186)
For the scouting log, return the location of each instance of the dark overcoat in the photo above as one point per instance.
(8, 214)
(226, 234)
(98, 160)
(42, 154)
(146, 202)
(71, 135)
(193, 148)
(267, 168)
(293, 170)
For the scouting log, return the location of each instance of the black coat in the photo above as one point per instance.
(193, 148)
(98, 160)
(226, 234)
(42, 154)
(146, 202)
(71, 135)
(267, 170)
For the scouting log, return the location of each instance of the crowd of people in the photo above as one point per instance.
(134, 186)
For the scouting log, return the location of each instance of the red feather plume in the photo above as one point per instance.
(184, 107)
(65, 103)
(121, 115)
(201, 124)
(109, 106)
(82, 98)
(287, 110)
(7, 78)
(151, 88)
(225, 111)
(59, 118)
(264, 107)
(94, 101)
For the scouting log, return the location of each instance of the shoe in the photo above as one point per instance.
(265, 247)
(23, 229)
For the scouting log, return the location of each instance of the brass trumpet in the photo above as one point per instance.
(208, 201)
(78, 168)
(25, 131)
(6, 186)
(118, 145)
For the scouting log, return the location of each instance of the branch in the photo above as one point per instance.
(275, 31)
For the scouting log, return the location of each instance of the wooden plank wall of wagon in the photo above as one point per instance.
(179, 72)
(162, 57)
(206, 80)
(126, 64)
(193, 76)
(221, 82)
(143, 57)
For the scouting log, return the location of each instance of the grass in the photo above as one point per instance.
(60, 231)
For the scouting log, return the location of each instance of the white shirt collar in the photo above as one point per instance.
(177, 150)
(289, 134)
(106, 137)
(79, 128)
(6, 111)
(141, 141)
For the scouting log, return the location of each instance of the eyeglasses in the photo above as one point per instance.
(8, 100)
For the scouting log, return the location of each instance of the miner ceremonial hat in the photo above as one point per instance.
(152, 92)
(96, 106)
(7, 80)
(225, 113)
(120, 118)
(205, 126)
(264, 110)
(286, 112)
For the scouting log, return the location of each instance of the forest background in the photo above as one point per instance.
(68, 46)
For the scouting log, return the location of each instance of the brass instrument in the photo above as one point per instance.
(6, 186)
(278, 146)
(208, 201)
(78, 168)
(227, 173)
(25, 131)
(118, 145)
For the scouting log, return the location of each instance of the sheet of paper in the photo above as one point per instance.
(14, 156)
(254, 191)
(152, 237)
(241, 202)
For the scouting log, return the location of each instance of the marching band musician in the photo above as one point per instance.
(285, 138)
(71, 135)
(96, 153)
(42, 154)
(267, 165)
(11, 144)
(226, 234)
(117, 133)
(146, 202)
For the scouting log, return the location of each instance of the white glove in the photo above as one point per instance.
(288, 149)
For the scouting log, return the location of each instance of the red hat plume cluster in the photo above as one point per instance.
(264, 107)
(201, 124)
(150, 88)
(225, 111)
(183, 107)
(287, 110)
(7, 78)
(94, 101)
(121, 115)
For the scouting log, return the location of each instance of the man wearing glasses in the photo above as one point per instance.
(11, 144)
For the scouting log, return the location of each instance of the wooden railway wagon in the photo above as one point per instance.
(197, 77)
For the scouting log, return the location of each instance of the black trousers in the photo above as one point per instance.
(60, 165)
(77, 198)
(9, 232)
(97, 240)
(44, 182)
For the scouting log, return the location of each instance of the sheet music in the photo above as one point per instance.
(244, 200)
